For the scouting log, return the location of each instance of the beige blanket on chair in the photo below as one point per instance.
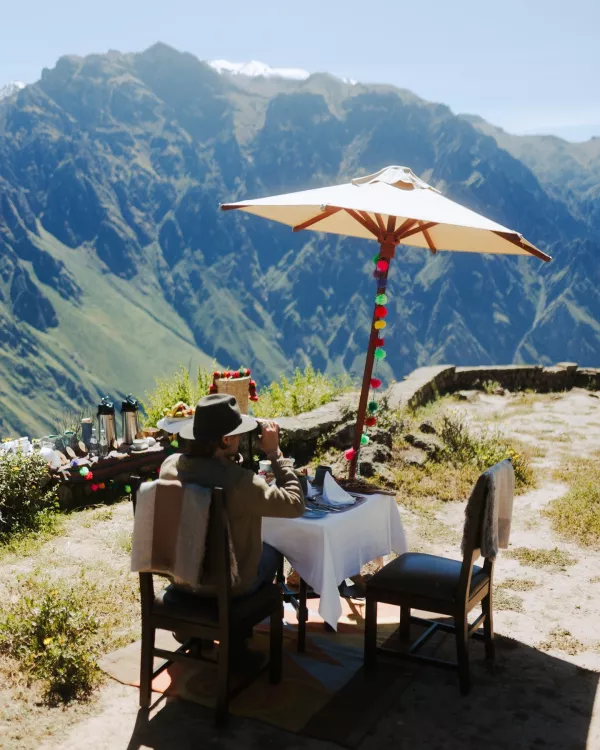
(500, 489)
(170, 529)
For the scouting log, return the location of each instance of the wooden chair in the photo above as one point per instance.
(221, 618)
(438, 585)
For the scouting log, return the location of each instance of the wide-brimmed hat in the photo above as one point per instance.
(217, 416)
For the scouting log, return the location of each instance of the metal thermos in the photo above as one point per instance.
(107, 422)
(129, 419)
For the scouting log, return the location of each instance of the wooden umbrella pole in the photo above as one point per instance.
(387, 253)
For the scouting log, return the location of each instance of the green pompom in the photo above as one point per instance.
(128, 489)
(375, 258)
(364, 440)
(372, 406)
(175, 443)
(381, 299)
(380, 353)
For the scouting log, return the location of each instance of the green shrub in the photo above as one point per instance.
(481, 449)
(50, 631)
(181, 386)
(307, 390)
(27, 499)
(490, 386)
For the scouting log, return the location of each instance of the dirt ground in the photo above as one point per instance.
(541, 693)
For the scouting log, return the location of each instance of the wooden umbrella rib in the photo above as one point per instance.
(404, 227)
(329, 211)
(232, 206)
(380, 222)
(428, 239)
(357, 217)
(531, 250)
(391, 225)
(367, 217)
(416, 230)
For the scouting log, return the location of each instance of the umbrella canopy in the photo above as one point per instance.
(394, 207)
(395, 204)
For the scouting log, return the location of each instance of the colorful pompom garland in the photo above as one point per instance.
(381, 311)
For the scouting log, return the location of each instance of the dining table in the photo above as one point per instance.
(325, 551)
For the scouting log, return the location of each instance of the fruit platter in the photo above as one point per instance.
(179, 411)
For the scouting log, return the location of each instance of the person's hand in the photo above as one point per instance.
(268, 441)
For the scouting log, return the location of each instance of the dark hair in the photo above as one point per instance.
(205, 448)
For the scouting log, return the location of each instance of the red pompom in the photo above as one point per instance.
(380, 311)
(216, 375)
(252, 384)
(213, 389)
(379, 342)
(253, 398)
(350, 453)
(89, 476)
(382, 265)
(248, 371)
(375, 383)
(235, 374)
(94, 488)
(370, 421)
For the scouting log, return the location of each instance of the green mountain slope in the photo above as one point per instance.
(116, 265)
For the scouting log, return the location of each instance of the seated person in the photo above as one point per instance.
(213, 462)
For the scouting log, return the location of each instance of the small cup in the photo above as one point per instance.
(320, 474)
(303, 479)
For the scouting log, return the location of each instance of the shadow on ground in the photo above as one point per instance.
(526, 700)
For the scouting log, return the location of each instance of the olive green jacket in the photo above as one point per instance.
(248, 499)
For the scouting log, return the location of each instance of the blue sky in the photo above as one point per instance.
(527, 65)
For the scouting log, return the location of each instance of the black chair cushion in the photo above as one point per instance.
(202, 610)
(426, 576)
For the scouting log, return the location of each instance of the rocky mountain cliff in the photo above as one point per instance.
(116, 265)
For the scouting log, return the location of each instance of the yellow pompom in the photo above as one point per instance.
(379, 324)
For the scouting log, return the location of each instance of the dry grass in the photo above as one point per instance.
(541, 558)
(559, 639)
(505, 600)
(576, 515)
(518, 584)
(433, 481)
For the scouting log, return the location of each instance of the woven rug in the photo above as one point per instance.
(324, 692)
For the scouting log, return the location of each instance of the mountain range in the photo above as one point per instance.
(116, 264)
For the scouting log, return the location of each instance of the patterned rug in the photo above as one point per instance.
(324, 692)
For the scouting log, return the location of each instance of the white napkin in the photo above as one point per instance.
(311, 490)
(333, 494)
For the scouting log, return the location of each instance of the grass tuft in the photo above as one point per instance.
(559, 639)
(541, 558)
(504, 600)
(576, 515)
(518, 584)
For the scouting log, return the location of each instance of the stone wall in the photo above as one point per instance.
(332, 424)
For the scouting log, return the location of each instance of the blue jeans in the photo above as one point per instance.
(267, 568)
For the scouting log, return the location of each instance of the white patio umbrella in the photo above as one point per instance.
(394, 207)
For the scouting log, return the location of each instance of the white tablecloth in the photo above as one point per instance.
(327, 550)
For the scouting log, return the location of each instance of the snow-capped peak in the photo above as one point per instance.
(254, 69)
(11, 88)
